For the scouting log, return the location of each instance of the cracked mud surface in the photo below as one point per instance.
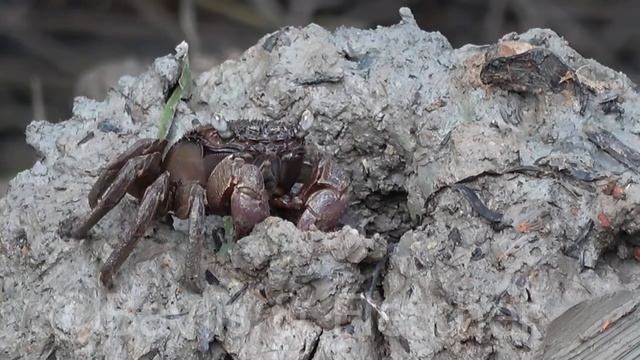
(492, 206)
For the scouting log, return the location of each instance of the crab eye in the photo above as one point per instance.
(221, 125)
(306, 120)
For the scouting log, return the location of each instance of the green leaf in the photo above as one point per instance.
(229, 236)
(182, 91)
(185, 78)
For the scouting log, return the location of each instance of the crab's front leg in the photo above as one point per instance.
(323, 198)
(155, 202)
(196, 202)
(237, 187)
(109, 173)
(130, 172)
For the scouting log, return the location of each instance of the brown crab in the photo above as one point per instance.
(243, 168)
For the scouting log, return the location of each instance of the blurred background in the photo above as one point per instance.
(54, 50)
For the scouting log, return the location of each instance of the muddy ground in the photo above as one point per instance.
(478, 213)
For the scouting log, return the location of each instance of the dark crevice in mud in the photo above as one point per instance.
(381, 341)
(388, 214)
(314, 346)
(377, 283)
(631, 239)
(150, 355)
(52, 356)
(215, 350)
(373, 290)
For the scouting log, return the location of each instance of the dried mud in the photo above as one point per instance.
(478, 215)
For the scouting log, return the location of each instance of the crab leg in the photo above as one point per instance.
(154, 203)
(111, 170)
(134, 169)
(197, 203)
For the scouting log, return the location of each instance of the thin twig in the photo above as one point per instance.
(37, 98)
(188, 22)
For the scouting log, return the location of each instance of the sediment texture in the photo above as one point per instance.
(489, 203)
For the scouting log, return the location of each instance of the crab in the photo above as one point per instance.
(244, 168)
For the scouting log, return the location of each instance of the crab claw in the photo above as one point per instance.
(249, 202)
(326, 195)
(323, 209)
(239, 187)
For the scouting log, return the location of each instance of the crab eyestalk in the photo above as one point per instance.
(222, 126)
(305, 123)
